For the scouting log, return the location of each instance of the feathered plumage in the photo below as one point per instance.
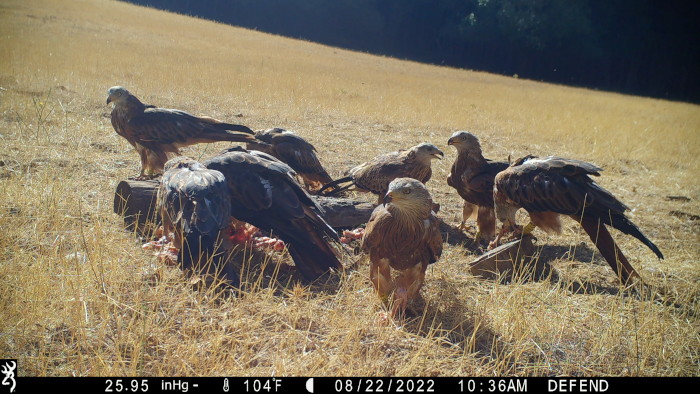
(158, 133)
(292, 149)
(374, 176)
(264, 193)
(194, 205)
(472, 176)
(549, 186)
(402, 235)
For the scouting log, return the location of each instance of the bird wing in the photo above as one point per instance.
(159, 126)
(265, 194)
(433, 239)
(475, 183)
(539, 185)
(299, 154)
(376, 175)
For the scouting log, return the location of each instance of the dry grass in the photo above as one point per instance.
(75, 292)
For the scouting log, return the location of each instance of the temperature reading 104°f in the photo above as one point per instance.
(271, 385)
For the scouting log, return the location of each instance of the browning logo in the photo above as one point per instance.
(8, 368)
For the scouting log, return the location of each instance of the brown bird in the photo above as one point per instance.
(159, 133)
(296, 152)
(403, 234)
(374, 176)
(195, 206)
(264, 193)
(472, 176)
(550, 186)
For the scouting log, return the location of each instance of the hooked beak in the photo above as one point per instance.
(109, 99)
(387, 198)
(439, 154)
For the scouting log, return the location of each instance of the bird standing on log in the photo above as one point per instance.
(157, 134)
(552, 186)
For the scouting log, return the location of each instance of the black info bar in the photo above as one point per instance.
(345, 385)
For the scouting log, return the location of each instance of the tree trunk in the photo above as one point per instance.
(136, 202)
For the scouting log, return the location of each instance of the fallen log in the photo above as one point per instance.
(135, 201)
(512, 260)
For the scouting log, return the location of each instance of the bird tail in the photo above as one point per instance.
(238, 128)
(217, 130)
(608, 248)
(335, 188)
(622, 223)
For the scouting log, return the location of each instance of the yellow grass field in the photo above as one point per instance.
(77, 295)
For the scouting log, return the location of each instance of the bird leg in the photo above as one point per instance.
(467, 212)
(380, 275)
(527, 230)
(477, 237)
(505, 227)
(400, 302)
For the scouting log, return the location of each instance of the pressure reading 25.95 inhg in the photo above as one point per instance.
(271, 385)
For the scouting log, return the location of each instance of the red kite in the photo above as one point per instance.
(264, 193)
(194, 205)
(550, 186)
(296, 152)
(403, 234)
(158, 133)
(374, 176)
(472, 176)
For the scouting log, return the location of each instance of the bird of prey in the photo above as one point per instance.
(299, 154)
(374, 176)
(403, 235)
(264, 193)
(472, 176)
(159, 133)
(550, 186)
(195, 206)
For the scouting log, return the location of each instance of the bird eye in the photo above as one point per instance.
(406, 191)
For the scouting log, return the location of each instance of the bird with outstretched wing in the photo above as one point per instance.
(552, 186)
(264, 192)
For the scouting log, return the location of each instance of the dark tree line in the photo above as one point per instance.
(645, 47)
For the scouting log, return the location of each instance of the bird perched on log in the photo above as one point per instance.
(472, 176)
(550, 186)
(374, 176)
(292, 149)
(264, 193)
(403, 235)
(195, 206)
(159, 133)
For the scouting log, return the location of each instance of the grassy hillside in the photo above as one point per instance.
(78, 295)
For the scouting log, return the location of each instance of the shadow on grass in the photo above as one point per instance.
(454, 236)
(460, 327)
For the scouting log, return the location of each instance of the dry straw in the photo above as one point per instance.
(79, 297)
